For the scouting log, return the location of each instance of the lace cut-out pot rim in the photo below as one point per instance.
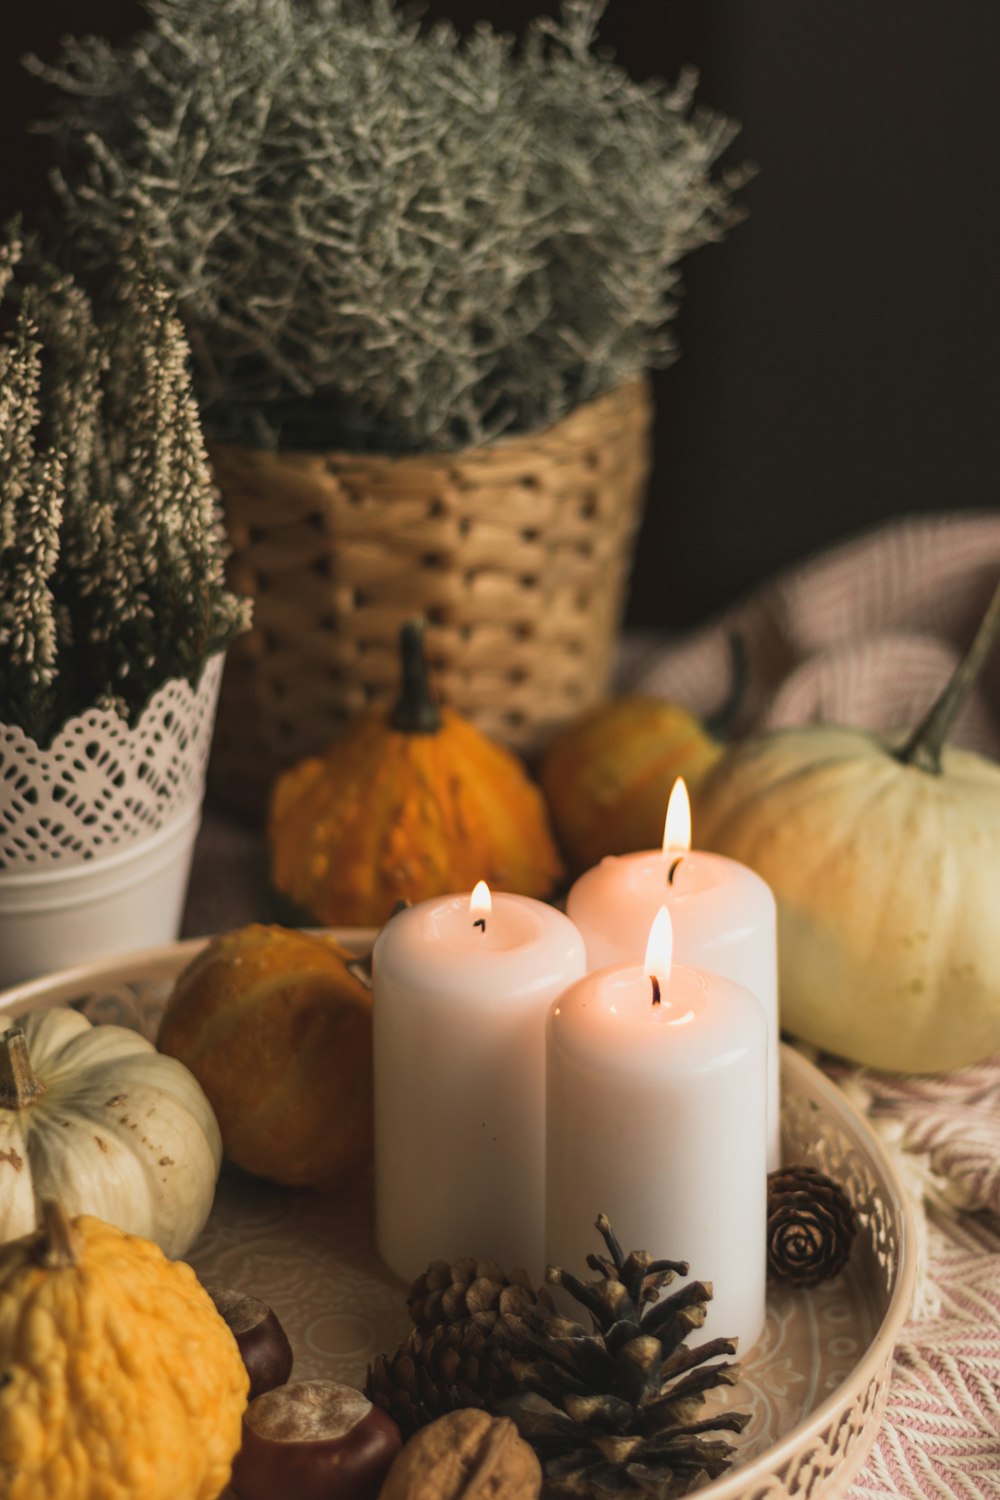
(103, 785)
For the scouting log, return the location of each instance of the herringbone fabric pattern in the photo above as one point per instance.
(941, 1434)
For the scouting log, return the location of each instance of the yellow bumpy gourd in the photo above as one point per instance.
(118, 1378)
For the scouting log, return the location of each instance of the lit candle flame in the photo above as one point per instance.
(677, 828)
(480, 904)
(481, 900)
(660, 948)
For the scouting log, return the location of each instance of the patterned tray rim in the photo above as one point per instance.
(873, 1366)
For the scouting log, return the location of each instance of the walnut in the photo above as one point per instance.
(466, 1455)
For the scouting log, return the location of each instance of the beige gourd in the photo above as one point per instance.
(97, 1118)
(884, 855)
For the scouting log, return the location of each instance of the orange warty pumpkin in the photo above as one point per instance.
(411, 803)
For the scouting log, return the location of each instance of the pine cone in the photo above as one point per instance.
(810, 1226)
(433, 1374)
(468, 1320)
(472, 1291)
(626, 1394)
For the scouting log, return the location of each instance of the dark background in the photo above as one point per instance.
(840, 360)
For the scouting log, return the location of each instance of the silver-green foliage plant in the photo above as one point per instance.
(111, 548)
(381, 232)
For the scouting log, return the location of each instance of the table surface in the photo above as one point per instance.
(941, 1436)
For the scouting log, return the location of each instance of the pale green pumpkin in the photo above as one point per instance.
(884, 856)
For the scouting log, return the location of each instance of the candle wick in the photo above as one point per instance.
(480, 922)
(656, 988)
(673, 869)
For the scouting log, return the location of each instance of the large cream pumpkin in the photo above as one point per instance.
(97, 1118)
(887, 878)
(884, 855)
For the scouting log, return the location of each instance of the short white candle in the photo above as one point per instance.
(723, 914)
(656, 1117)
(460, 998)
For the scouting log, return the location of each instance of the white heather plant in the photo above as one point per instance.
(382, 235)
(111, 549)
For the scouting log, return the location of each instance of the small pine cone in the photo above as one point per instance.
(810, 1226)
(476, 1292)
(436, 1373)
(469, 1321)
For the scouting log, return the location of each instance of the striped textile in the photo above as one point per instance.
(866, 634)
(941, 1435)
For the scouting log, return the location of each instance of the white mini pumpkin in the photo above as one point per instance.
(97, 1118)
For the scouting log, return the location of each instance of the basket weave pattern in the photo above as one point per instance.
(517, 554)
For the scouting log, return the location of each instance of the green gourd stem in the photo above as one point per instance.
(415, 711)
(57, 1245)
(923, 748)
(19, 1083)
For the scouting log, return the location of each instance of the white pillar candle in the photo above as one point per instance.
(656, 1116)
(723, 915)
(460, 998)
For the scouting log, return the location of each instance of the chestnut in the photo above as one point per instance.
(314, 1440)
(262, 1341)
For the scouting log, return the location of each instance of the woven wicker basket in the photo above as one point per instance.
(517, 554)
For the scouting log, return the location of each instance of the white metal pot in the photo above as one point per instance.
(97, 831)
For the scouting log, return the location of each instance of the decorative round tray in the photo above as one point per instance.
(816, 1382)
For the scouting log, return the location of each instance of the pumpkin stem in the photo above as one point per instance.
(923, 748)
(57, 1245)
(415, 711)
(20, 1085)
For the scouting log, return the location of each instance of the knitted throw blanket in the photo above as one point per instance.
(867, 634)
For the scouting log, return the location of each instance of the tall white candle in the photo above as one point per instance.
(723, 914)
(461, 993)
(656, 1116)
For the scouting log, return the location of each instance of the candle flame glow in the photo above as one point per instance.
(660, 948)
(677, 828)
(480, 902)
